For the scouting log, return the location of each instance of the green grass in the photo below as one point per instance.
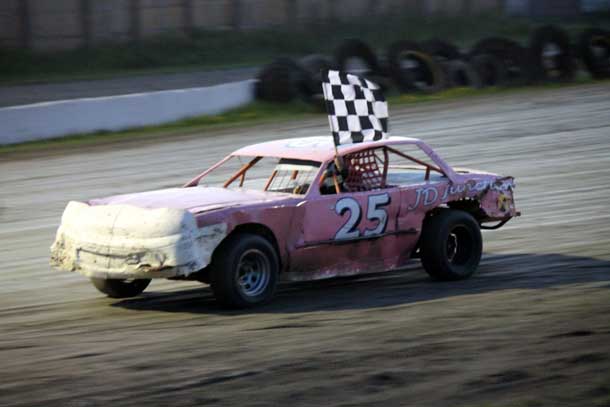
(216, 49)
(254, 113)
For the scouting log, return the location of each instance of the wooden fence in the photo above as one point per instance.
(64, 24)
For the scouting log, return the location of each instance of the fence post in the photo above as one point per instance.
(420, 6)
(85, 18)
(187, 17)
(466, 7)
(333, 15)
(291, 13)
(501, 6)
(236, 14)
(26, 24)
(372, 8)
(134, 20)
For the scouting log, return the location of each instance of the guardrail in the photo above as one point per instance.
(46, 120)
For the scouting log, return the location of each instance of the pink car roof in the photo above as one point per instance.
(319, 148)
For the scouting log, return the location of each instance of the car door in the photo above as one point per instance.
(347, 233)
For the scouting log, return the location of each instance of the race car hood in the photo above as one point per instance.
(194, 199)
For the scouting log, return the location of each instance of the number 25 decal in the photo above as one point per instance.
(374, 212)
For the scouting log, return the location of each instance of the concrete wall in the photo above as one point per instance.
(41, 121)
(63, 24)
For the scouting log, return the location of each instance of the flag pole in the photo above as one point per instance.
(330, 123)
(337, 161)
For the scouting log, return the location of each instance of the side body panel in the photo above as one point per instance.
(347, 234)
(278, 218)
(364, 232)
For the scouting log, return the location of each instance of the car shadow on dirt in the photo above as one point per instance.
(497, 272)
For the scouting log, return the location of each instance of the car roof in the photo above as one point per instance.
(317, 148)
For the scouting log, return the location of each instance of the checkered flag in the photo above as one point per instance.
(357, 110)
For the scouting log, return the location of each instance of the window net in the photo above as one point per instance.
(364, 172)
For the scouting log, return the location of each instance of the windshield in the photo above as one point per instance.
(263, 174)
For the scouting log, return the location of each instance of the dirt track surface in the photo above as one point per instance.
(531, 329)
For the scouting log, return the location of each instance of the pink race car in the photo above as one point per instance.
(289, 210)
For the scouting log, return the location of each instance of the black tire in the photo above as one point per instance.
(282, 81)
(354, 49)
(441, 49)
(412, 69)
(451, 245)
(316, 66)
(594, 50)
(490, 70)
(461, 74)
(115, 288)
(551, 53)
(252, 257)
(515, 58)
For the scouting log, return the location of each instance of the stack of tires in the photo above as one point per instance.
(594, 48)
(434, 65)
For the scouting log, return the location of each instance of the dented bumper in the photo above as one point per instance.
(122, 241)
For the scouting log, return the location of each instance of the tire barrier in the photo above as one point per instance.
(283, 81)
(412, 69)
(315, 66)
(355, 56)
(437, 64)
(594, 49)
(461, 74)
(515, 58)
(491, 71)
(551, 54)
(441, 49)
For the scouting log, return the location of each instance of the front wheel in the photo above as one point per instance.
(244, 271)
(451, 245)
(116, 288)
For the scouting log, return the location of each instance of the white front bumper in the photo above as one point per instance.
(122, 241)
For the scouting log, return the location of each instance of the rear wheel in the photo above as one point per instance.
(245, 271)
(451, 245)
(115, 288)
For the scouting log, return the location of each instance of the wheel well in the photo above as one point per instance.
(472, 206)
(261, 230)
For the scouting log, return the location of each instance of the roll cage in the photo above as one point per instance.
(358, 170)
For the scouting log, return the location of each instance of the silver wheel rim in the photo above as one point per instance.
(253, 273)
(459, 245)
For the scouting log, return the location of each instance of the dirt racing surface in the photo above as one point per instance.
(532, 328)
